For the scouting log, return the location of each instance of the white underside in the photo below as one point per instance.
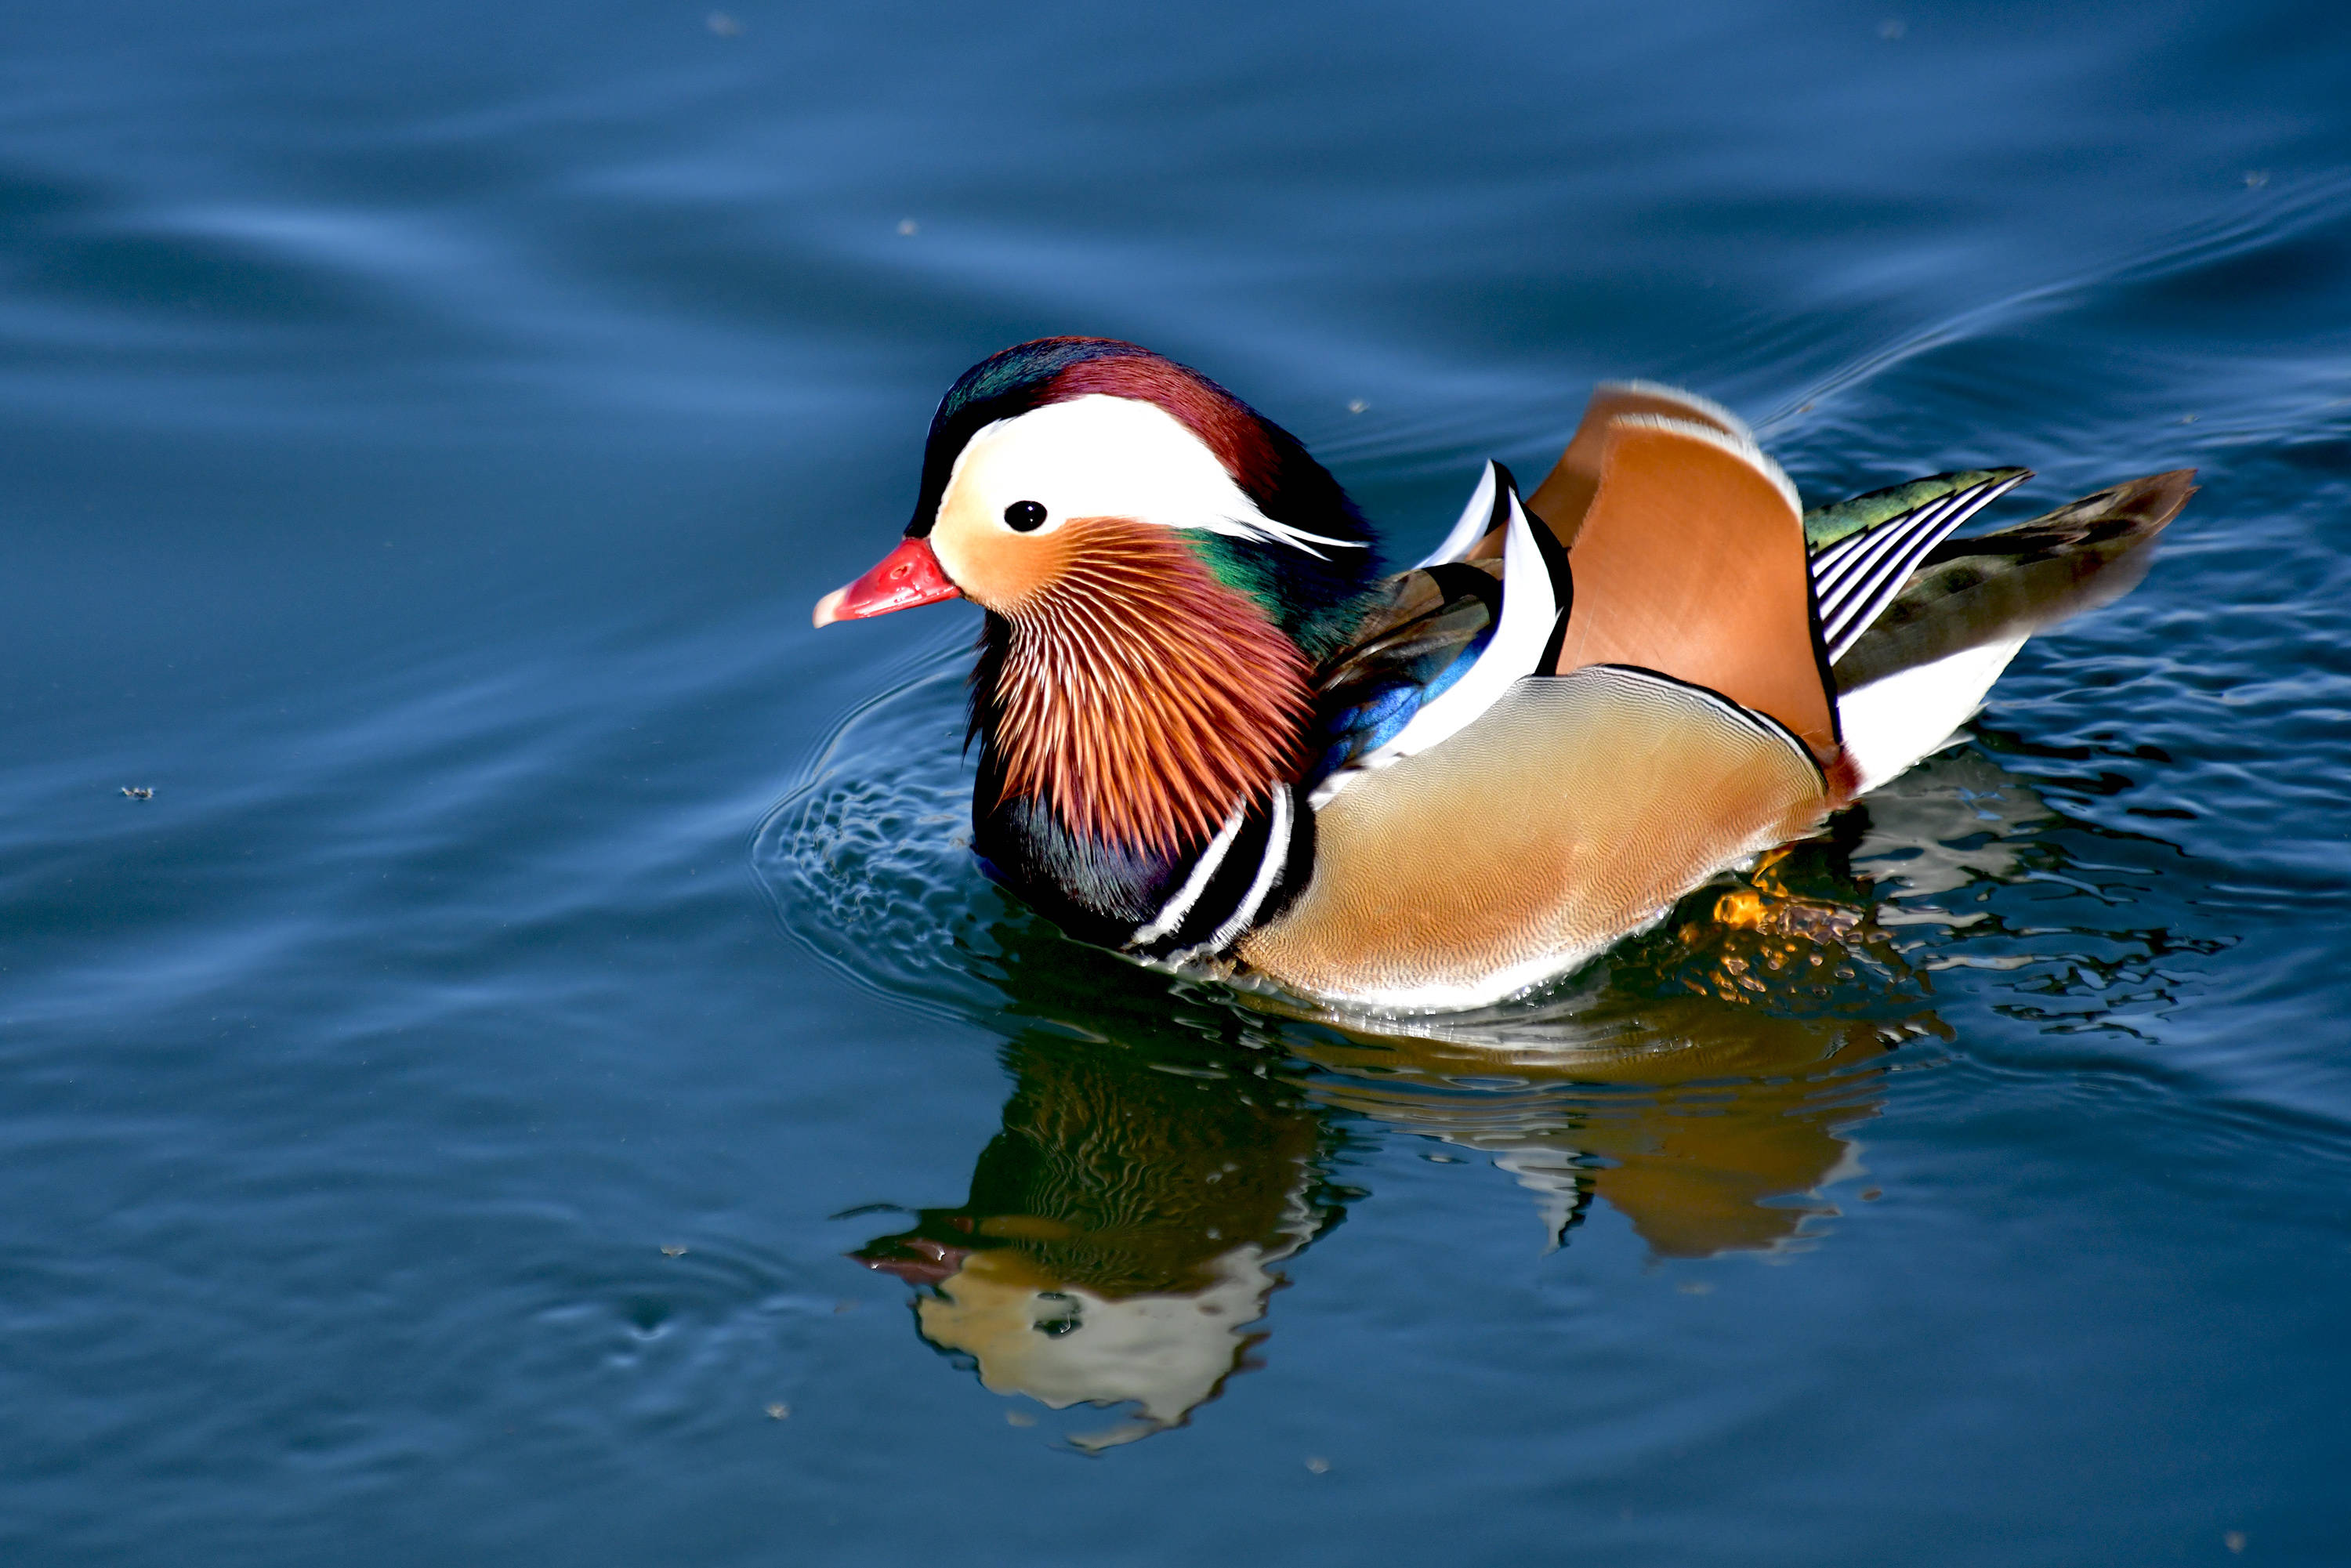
(1891, 724)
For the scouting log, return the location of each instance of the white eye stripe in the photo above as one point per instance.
(1109, 457)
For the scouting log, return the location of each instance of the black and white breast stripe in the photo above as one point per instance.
(1855, 579)
(1254, 866)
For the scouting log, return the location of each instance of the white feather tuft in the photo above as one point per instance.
(1103, 456)
(1477, 518)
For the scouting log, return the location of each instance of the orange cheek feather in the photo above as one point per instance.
(1001, 570)
(1140, 697)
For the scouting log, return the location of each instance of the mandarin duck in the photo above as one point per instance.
(1216, 735)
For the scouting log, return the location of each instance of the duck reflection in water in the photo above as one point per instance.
(1124, 1231)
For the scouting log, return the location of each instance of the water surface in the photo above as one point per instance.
(540, 1075)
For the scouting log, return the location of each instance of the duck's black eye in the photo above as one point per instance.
(1024, 516)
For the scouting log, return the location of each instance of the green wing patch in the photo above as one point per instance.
(1824, 526)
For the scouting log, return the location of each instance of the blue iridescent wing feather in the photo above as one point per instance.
(1421, 637)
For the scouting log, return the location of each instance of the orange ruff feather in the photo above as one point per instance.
(1140, 697)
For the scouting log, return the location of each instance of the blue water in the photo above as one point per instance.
(437, 1125)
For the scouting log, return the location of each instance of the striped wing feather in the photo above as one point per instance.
(1915, 673)
(1856, 579)
(2011, 582)
(1827, 526)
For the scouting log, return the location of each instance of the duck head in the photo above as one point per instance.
(1163, 568)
